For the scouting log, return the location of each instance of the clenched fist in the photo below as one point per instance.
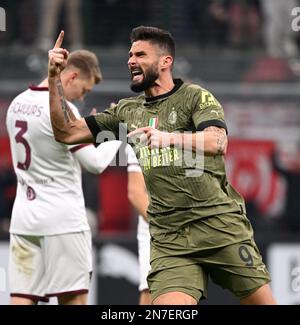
(58, 57)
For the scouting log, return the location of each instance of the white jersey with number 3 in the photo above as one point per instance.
(49, 198)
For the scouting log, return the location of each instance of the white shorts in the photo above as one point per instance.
(143, 237)
(42, 267)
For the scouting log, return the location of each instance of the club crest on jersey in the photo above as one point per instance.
(172, 119)
(30, 193)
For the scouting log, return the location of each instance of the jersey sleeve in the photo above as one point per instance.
(104, 121)
(208, 111)
(96, 160)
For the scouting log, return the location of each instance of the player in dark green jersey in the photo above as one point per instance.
(197, 220)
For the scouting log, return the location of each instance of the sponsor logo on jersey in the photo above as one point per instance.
(151, 158)
(207, 100)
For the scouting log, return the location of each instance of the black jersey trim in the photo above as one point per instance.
(206, 124)
(178, 83)
(92, 125)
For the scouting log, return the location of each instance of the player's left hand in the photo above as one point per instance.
(151, 137)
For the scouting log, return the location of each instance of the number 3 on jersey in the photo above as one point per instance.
(20, 139)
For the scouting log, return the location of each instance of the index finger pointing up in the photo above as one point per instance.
(59, 40)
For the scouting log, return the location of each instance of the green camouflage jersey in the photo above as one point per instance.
(182, 186)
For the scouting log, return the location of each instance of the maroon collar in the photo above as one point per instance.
(37, 88)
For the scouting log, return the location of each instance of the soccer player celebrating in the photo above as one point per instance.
(197, 220)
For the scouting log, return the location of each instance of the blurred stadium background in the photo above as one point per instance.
(245, 52)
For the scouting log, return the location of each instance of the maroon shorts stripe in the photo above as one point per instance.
(75, 292)
(31, 297)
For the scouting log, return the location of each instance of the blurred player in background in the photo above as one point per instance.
(49, 20)
(138, 197)
(197, 220)
(50, 239)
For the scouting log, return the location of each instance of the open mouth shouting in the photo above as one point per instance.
(137, 75)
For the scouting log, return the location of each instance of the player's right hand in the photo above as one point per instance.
(58, 57)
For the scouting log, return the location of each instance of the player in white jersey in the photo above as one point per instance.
(138, 197)
(50, 239)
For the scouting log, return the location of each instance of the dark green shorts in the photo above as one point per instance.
(221, 247)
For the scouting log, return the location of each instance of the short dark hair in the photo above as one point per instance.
(155, 35)
(87, 62)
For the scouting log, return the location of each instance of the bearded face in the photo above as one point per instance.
(142, 79)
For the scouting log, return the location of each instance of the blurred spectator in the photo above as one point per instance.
(226, 22)
(7, 193)
(21, 22)
(112, 20)
(210, 22)
(244, 23)
(220, 23)
(173, 15)
(289, 167)
(278, 34)
(51, 12)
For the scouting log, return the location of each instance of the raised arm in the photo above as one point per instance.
(66, 128)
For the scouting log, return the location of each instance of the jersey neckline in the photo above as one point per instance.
(178, 83)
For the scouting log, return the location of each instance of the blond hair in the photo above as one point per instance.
(87, 62)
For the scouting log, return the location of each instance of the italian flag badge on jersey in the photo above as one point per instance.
(153, 122)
